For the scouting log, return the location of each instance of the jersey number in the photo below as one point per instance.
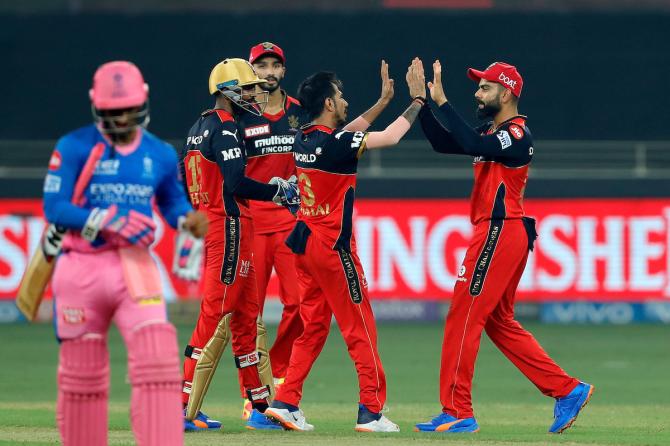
(196, 173)
(308, 196)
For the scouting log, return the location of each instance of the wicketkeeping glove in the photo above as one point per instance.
(119, 225)
(188, 254)
(287, 194)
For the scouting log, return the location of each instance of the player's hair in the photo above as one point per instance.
(313, 91)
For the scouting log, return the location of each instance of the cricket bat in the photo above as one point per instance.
(37, 275)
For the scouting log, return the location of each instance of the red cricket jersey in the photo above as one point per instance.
(326, 161)
(213, 159)
(268, 142)
(499, 183)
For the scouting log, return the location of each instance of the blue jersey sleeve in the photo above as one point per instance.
(67, 161)
(170, 195)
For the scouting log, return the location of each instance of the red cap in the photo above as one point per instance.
(266, 49)
(502, 73)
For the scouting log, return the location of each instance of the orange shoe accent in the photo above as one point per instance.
(285, 424)
(362, 429)
(446, 426)
(200, 424)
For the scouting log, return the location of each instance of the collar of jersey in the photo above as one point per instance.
(518, 119)
(314, 127)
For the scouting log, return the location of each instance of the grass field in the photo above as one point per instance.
(629, 365)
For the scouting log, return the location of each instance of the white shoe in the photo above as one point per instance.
(294, 421)
(383, 424)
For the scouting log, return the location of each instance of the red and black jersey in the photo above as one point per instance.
(268, 141)
(327, 160)
(213, 168)
(502, 158)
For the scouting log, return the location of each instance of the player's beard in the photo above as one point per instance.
(271, 88)
(489, 110)
(342, 118)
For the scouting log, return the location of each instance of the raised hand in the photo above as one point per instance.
(387, 84)
(435, 87)
(416, 79)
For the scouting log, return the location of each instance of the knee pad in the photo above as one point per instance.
(153, 355)
(83, 367)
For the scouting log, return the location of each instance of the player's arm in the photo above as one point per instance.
(498, 144)
(229, 154)
(67, 161)
(440, 138)
(361, 123)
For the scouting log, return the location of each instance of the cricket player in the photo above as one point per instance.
(485, 290)
(268, 140)
(330, 276)
(105, 272)
(214, 163)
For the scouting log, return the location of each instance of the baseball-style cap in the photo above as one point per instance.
(266, 49)
(502, 73)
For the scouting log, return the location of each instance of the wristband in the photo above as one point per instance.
(420, 99)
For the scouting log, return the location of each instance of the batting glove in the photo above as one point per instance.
(188, 254)
(52, 240)
(287, 194)
(124, 225)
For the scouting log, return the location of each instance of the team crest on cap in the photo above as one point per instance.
(267, 46)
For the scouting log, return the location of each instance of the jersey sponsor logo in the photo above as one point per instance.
(305, 157)
(357, 140)
(55, 161)
(507, 81)
(516, 131)
(504, 138)
(257, 130)
(107, 167)
(52, 183)
(195, 140)
(73, 315)
(245, 265)
(275, 144)
(230, 154)
(233, 134)
(121, 193)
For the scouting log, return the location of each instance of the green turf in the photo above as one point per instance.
(629, 366)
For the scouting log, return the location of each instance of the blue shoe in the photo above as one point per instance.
(200, 423)
(447, 424)
(568, 407)
(258, 421)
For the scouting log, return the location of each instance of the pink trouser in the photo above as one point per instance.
(90, 291)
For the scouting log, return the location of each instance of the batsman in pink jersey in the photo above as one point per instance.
(104, 181)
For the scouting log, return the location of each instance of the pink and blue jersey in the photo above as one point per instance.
(131, 181)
